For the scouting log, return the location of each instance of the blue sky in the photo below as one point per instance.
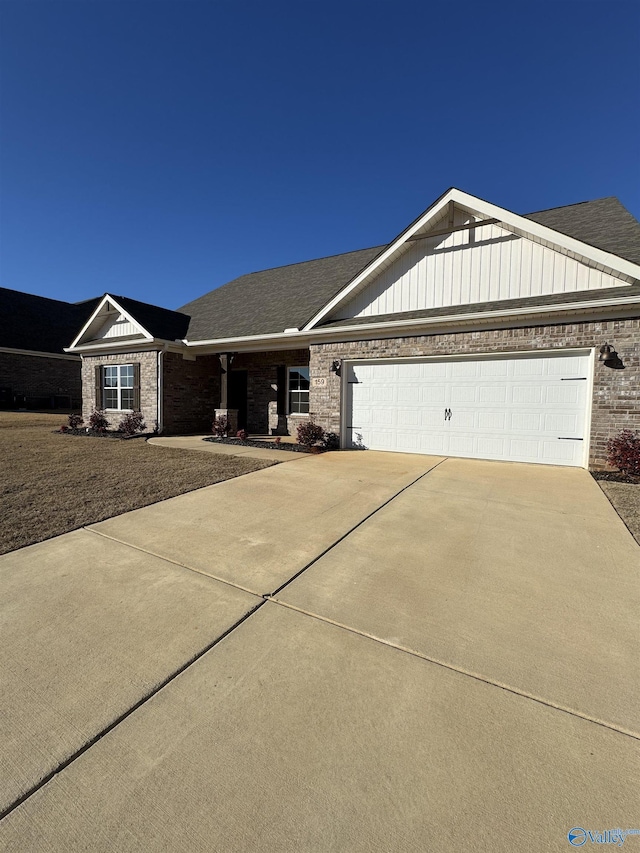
(159, 149)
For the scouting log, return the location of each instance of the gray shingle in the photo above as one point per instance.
(604, 223)
(271, 301)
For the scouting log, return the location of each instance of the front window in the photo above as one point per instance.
(298, 390)
(118, 387)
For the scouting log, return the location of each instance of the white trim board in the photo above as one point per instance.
(601, 260)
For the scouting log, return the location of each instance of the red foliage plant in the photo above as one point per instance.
(623, 451)
(309, 434)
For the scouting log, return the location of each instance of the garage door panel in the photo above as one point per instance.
(492, 420)
(527, 394)
(433, 394)
(568, 393)
(526, 421)
(463, 393)
(518, 408)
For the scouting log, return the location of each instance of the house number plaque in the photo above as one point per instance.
(319, 382)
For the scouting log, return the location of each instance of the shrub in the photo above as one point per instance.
(75, 421)
(278, 439)
(331, 441)
(64, 428)
(132, 423)
(98, 421)
(309, 434)
(623, 451)
(242, 434)
(221, 426)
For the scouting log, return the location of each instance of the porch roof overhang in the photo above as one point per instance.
(594, 310)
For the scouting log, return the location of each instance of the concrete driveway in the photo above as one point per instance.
(350, 652)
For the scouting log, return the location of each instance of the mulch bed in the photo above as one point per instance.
(92, 433)
(269, 445)
(615, 477)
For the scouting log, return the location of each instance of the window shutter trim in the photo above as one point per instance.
(99, 388)
(136, 387)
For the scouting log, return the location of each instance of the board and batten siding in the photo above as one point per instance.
(486, 264)
(117, 327)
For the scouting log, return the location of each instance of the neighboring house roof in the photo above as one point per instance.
(287, 297)
(604, 223)
(29, 322)
(273, 300)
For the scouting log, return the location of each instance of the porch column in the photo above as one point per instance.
(281, 400)
(226, 359)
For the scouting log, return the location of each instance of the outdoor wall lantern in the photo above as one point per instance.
(335, 367)
(610, 357)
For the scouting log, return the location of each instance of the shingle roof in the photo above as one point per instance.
(273, 300)
(604, 223)
(39, 324)
(160, 322)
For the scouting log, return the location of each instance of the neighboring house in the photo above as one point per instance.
(35, 371)
(476, 332)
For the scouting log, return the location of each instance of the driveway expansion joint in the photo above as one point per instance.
(174, 562)
(460, 670)
(122, 717)
(354, 528)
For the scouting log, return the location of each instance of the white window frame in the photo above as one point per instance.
(118, 387)
(289, 391)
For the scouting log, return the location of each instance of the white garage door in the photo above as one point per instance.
(524, 409)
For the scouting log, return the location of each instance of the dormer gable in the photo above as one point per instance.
(110, 322)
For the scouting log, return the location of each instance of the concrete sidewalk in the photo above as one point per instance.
(363, 652)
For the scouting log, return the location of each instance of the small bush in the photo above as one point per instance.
(98, 421)
(331, 441)
(221, 427)
(75, 421)
(623, 451)
(242, 434)
(132, 423)
(64, 428)
(309, 434)
(278, 439)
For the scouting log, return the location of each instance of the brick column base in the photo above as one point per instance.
(232, 416)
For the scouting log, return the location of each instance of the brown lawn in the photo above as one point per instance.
(52, 483)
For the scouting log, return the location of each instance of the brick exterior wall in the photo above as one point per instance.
(191, 392)
(262, 387)
(35, 381)
(148, 362)
(616, 393)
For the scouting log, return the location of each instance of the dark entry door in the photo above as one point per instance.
(238, 395)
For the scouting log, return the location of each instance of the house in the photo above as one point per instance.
(35, 371)
(476, 332)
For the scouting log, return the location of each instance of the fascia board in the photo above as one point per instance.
(123, 346)
(84, 329)
(484, 209)
(131, 319)
(282, 341)
(546, 234)
(415, 226)
(107, 298)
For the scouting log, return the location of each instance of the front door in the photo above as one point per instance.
(238, 395)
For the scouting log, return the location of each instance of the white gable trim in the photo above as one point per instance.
(604, 261)
(107, 299)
